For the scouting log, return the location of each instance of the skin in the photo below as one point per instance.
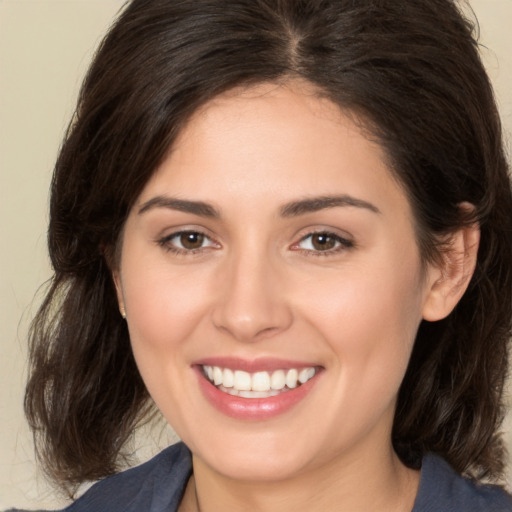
(258, 287)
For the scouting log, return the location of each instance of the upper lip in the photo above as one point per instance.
(253, 365)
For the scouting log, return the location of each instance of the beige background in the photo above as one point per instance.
(45, 46)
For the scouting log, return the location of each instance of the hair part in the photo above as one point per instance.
(410, 70)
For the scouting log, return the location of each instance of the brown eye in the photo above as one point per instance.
(183, 242)
(191, 240)
(323, 241)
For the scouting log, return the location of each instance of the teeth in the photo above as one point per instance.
(249, 394)
(261, 381)
(258, 394)
(228, 379)
(259, 384)
(305, 374)
(242, 381)
(291, 378)
(217, 375)
(278, 379)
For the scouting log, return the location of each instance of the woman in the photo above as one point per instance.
(288, 225)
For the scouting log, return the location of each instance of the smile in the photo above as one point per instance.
(255, 390)
(260, 384)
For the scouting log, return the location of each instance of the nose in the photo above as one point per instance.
(252, 303)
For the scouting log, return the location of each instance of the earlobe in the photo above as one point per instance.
(450, 278)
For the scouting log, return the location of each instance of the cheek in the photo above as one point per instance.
(366, 302)
(164, 306)
(369, 316)
(164, 310)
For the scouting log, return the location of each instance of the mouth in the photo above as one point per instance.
(256, 389)
(260, 384)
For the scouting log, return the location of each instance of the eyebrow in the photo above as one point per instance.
(292, 209)
(196, 207)
(315, 204)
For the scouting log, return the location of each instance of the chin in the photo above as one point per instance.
(255, 458)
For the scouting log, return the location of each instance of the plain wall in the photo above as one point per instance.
(45, 47)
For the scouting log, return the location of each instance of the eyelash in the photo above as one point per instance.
(166, 242)
(342, 243)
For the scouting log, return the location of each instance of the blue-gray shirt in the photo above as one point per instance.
(159, 484)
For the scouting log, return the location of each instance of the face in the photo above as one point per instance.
(273, 253)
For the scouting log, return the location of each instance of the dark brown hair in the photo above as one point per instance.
(410, 69)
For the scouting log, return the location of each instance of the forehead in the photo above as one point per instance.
(265, 110)
(271, 144)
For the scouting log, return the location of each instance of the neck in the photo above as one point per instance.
(353, 482)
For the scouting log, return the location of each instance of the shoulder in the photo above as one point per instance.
(443, 490)
(155, 485)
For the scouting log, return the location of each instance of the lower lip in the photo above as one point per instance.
(253, 408)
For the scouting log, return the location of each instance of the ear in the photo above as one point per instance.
(116, 277)
(113, 262)
(449, 279)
